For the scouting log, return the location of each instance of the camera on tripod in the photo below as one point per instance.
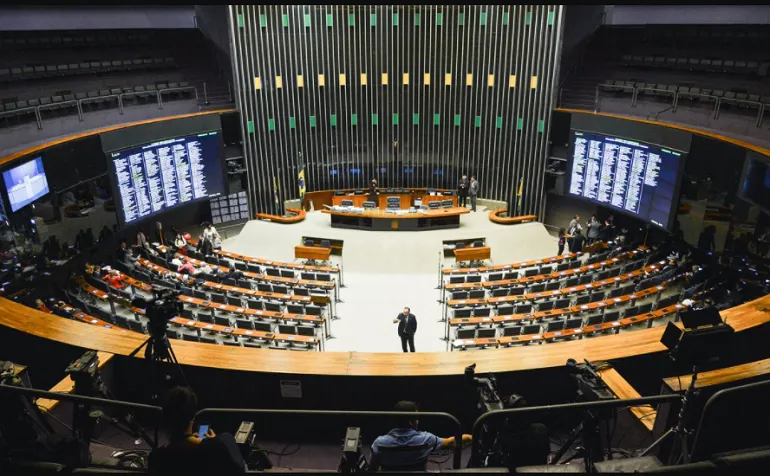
(486, 389)
(85, 373)
(590, 385)
(163, 306)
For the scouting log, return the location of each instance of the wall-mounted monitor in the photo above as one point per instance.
(157, 176)
(626, 175)
(25, 183)
(755, 184)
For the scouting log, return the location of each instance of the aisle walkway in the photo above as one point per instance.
(385, 271)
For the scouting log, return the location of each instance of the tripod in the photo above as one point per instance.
(588, 429)
(680, 431)
(159, 353)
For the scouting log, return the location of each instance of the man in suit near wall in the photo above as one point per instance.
(373, 193)
(407, 327)
(473, 190)
(462, 190)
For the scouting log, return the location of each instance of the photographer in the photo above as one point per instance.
(189, 452)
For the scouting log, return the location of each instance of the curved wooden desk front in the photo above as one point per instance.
(326, 197)
(120, 342)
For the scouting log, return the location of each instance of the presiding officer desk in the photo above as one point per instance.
(407, 197)
(380, 220)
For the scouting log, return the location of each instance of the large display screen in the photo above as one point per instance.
(25, 183)
(626, 175)
(155, 177)
(756, 183)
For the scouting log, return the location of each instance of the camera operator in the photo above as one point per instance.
(189, 452)
(405, 448)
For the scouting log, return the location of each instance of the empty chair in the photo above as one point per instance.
(264, 287)
(631, 311)
(523, 309)
(206, 317)
(554, 326)
(280, 289)
(208, 340)
(172, 334)
(611, 316)
(287, 273)
(531, 329)
(537, 288)
(306, 331)
(462, 313)
(187, 314)
(562, 267)
(575, 264)
(545, 306)
(644, 308)
(594, 320)
(530, 272)
(571, 282)
(307, 276)
(585, 299)
(552, 286)
(459, 295)
(504, 310)
(313, 310)
(500, 292)
(466, 333)
(263, 327)
(495, 277)
(665, 302)
(254, 304)
(586, 279)
(486, 333)
(272, 306)
(473, 278)
(477, 294)
(301, 292)
(135, 326)
(574, 323)
(272, 272)
(244, 324)
(218, 298)
(222, 320)
(189, 337)
(597, 296)
(253, 268)
(517, 291)
(324, 277)
(284, 329)
(481, 312)
(561, 303)
(511, 331)
(456, 279)
(240, 266)
(546, 270)
(295, 309)
(511, 275)
(234, 301)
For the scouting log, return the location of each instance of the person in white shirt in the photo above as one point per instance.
(210, 232)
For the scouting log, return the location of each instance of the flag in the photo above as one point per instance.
(301, 178)
(519, 194)
(275, 192)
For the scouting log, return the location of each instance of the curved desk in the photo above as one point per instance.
(366, 364)
(379, 220)
(408, 197)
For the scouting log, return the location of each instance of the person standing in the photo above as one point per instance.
(407, 327)
(473, 190)
(593, 229)
(373, 193)
(462, 190)
(573, 228)
(562, 240)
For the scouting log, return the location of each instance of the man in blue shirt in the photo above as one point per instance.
(405, 448)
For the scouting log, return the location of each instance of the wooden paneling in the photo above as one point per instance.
(721, 376)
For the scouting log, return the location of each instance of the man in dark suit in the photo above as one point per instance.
(373, 193)
(462, 190)
(407, 326)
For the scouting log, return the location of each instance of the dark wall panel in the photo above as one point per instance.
(413, 96)
(144, 133)
(630, 129)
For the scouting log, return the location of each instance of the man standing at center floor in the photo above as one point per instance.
(462, 190)
(473, 191)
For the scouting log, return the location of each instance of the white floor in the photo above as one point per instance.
(385, 271)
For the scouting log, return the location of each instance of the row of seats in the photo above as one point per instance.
(692, 64)
(701, 35)
(38, 71)
(75, 40)
(706, 95)
(16, 109)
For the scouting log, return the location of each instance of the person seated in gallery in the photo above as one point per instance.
(187, 451)
(405, 448)
(187, 268)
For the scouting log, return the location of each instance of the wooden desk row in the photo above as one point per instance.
(277, 264)
(457, 321)
(233, 289)
(328, 285)
(246, 333)
(518, 265)
(316, 320)
(473, 254)
(548, 336)
(564, 292)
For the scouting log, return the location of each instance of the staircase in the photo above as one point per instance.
(579, 91)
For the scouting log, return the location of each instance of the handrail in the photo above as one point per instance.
(457, 453)
(69, 397)
(513, 412)
(117, 96)
(183, 88)
(33, 108)
(54, 105)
